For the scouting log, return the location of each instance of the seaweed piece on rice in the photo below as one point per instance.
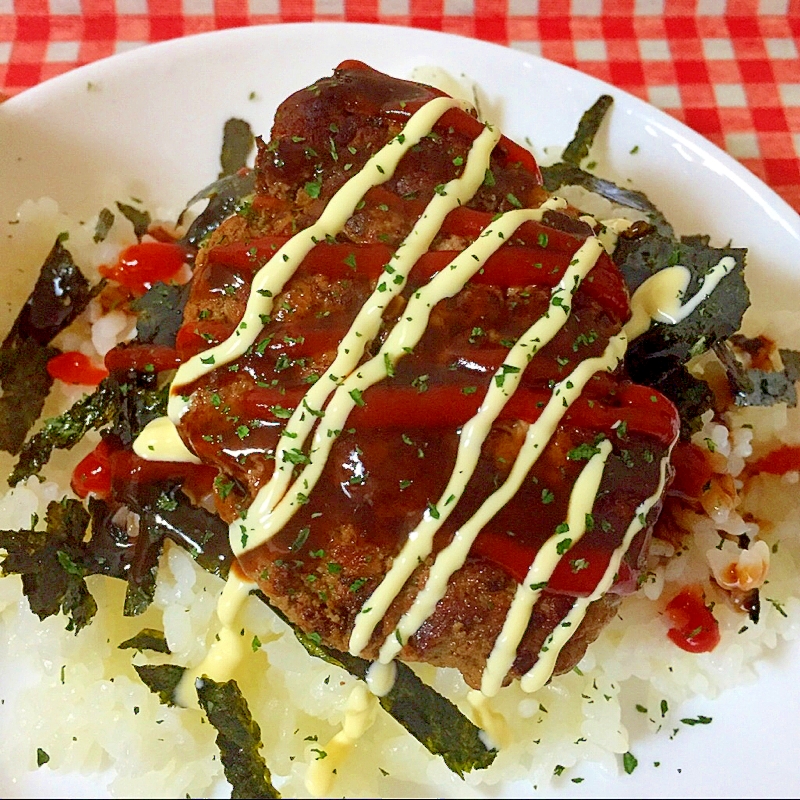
(165, 512)
(237, 144)
(161, 679)
(146, 639)
(53, 565)
(25, 384)
(568, 171)
(238, 734)
(718, 316)
(92, 411)
(55, 562)
(224, 197)
(123, 407)
(759, 387)
(140, 219)
(61, 293)
(238, 738)
(587, 129)
(159, 313)
(690, 395)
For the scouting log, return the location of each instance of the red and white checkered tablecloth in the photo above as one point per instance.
(730, 69)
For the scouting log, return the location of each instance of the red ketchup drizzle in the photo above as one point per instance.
(141, 265)
(108, 469)
(75, 368)
(92, 475)
(779, 462)
(692, 470)
(526, 263)
(694, 628)
(142, 358)
(448, 406)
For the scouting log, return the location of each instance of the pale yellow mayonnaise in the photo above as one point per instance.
(359, 714)
(229, 647)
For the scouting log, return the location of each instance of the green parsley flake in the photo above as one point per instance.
(313, 188)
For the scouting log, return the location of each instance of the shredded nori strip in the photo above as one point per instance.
(563, 174)
(691, 396)
(61, 293)
(238, 734)
(25, 384)
(126, 402)
(568, 171)
(430, 718)
(137, 217)
(146, 639)
(589, 125)
(665, 347)
(109, 550)
(140, 400)
(142, 585)
(238, 738)
(78, 543)
(159, 313)
(161, 679)
(165, 512)
(224, 197)
(63, 432)
(52, 564)
(237, 144)
(757, 387)
(123, 407)
(105, 219)
(658, 357)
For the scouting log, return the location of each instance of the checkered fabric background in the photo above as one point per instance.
(730, 69)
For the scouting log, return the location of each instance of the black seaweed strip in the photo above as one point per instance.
(238, 739)
(589, 125)
(237, 144)
(61, 293)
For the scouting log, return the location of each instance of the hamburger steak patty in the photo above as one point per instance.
(387, 469)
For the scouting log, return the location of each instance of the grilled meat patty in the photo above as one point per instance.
(390, 464)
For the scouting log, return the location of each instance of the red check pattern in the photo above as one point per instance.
(730, 69)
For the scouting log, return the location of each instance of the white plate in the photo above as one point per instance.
(148, 124)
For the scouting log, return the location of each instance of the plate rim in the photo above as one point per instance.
(78, 75)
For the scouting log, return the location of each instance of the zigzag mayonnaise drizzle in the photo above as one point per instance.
(474, 433)
(343, 382)
(541, 671)
(272, 509)
(580, 504)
